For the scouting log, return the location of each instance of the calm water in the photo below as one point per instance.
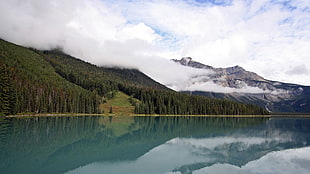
(154, 145)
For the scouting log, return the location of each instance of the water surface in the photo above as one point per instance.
(154, 145)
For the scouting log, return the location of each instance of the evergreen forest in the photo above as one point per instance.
(49, 81)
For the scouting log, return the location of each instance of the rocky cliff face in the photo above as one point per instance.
(248, 87)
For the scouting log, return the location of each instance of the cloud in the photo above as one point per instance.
(298, 70)
(285, 161)
(213, 87)
(264, 36)
(91, 30)
(86, 29)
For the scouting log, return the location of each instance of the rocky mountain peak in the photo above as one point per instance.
(185, 60)
(235, 69)
(230, 71)
(247, 87)
(233, 77)
(188, 61)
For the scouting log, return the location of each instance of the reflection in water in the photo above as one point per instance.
(94, 144)
(282, 162)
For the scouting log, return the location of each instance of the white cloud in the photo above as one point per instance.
(271, 38)
(212, 87)
(298, 70)
(139, 31)
(263, 36)
(88, 29)
(285, 161)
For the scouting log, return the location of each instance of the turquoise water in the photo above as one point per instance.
(154, 145)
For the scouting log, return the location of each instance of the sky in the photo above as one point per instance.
(268, 37)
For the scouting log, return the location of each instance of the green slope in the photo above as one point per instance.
(32, 85)
(119, 104)
(91, 76)
(52, 82)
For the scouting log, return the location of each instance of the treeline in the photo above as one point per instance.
(168, 102)
(37, 98)
(7, 91)
(92, 77)
(52, 82)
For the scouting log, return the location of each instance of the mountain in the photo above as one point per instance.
(235, 83)
(38, 81)
(52, 82)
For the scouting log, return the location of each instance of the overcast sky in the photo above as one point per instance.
(269, 37)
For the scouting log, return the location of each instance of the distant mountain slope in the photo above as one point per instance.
(237, 84)
(34, 81)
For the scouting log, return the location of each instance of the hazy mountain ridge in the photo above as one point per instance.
(244, 86)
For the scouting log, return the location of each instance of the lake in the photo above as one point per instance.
(154, 145)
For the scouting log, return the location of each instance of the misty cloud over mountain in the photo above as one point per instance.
(270, 38)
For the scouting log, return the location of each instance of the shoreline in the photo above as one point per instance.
(157, 115)
(130, 115)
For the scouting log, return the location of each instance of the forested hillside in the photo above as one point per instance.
(52, 82)
(30, 84)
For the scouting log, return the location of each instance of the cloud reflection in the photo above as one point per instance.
(284, 162)
(211, 155)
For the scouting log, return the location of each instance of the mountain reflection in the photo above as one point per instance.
(95, 144)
